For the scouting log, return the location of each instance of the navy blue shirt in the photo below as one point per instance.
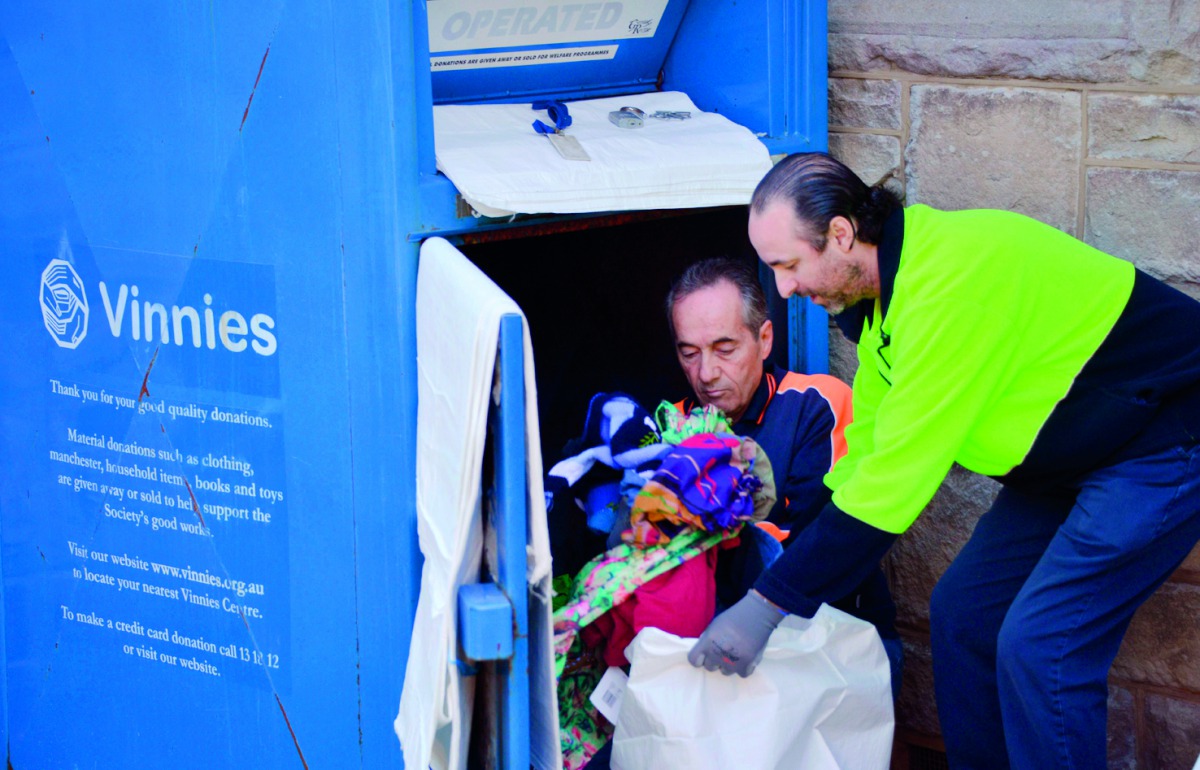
(798, 419)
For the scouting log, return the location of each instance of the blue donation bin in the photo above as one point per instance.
(210, 217)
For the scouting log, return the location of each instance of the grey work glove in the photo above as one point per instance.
(734, 640)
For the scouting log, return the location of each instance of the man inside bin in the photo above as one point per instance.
(723, 338)
(718, 318)
(992, 340)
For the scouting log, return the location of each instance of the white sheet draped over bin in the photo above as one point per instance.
(458, 324)
(501, 166)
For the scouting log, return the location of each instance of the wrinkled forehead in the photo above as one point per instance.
(709, 315)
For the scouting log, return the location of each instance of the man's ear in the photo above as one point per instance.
(766, 338)
(842, 232)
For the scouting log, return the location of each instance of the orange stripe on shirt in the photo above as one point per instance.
(771, 388)
(839, 397)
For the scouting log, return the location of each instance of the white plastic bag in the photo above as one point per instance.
(820, 699)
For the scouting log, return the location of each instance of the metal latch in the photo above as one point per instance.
(485, 622)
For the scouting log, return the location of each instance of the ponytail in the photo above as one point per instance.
(818, 188)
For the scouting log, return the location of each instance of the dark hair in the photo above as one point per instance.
(819, 188)
(710, 272)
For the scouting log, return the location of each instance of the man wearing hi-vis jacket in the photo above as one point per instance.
(991, 340)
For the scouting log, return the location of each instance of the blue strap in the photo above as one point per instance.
(558, 113)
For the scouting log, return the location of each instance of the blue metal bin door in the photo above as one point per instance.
(204, 404)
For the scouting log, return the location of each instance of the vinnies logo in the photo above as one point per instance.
(64, 304)
(65, 310)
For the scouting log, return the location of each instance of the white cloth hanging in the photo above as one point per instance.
(458, 323)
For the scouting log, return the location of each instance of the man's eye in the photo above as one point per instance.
(727, 350)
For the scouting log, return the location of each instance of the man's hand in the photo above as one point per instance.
(734, 640)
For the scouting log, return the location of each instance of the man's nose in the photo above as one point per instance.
(709, 369)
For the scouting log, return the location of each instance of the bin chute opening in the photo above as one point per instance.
(594, 302)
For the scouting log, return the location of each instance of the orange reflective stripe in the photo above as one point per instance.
(773, 531)
(772, 387)
(837, 394)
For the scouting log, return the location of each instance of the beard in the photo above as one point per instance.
(852, 286)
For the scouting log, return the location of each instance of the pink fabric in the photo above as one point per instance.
(681, 601)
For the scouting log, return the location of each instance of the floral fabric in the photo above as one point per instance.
(675, 426)
(606, 582)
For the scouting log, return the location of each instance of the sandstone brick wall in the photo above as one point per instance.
(1086, 115)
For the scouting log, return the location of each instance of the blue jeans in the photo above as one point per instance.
(1027, 620)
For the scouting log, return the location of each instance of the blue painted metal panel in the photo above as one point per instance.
(205, 518)
(511, 521)
(379, 123)
(4, 739)
(810, 124)
(808, 337)
(417, 76)
(761, 63)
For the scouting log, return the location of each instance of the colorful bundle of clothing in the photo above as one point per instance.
(617, 594)
(668, 473)
(621, 443)
(707, 482)
(666, 490)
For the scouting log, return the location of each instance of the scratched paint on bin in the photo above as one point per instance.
(160, 457)
(182, 497)
(170, 276)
